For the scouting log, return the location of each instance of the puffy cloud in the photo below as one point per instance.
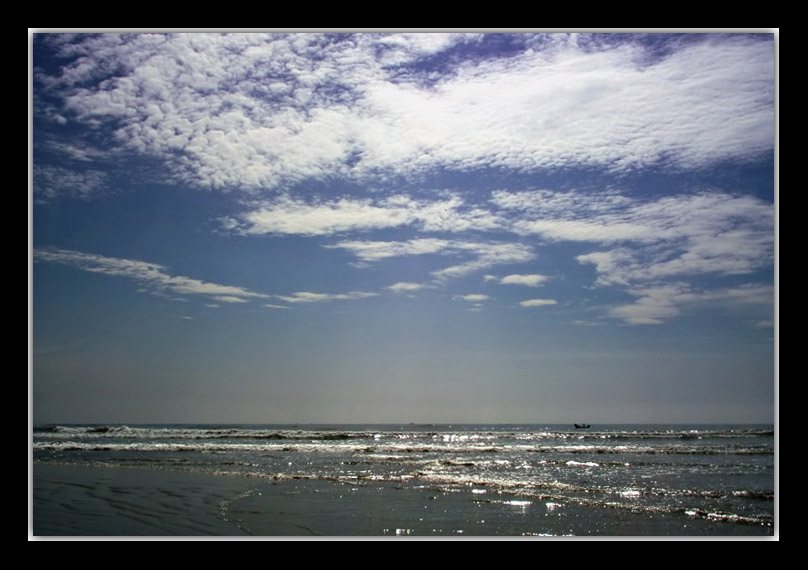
(538, 302)
(528, 280)
(405, 286)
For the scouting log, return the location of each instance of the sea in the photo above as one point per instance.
(438, 480)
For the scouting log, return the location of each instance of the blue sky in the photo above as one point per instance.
(396, 227)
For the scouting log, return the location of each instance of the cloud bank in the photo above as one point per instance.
(264, 111)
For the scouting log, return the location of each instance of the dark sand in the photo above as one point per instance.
(85, 501)
(103, 501)
(99, 501)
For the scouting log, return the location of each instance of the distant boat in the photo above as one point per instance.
(582, 426)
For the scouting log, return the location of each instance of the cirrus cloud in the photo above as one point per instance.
(308, 297)
(154, 277)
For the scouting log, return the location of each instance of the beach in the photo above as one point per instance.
(72, 500)
(102, 501)
(469, 482)
(80, 501)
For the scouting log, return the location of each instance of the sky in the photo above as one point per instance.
(296, 227)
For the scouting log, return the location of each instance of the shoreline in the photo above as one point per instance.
(111, 501)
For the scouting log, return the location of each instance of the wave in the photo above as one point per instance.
(446, 436)
(721, 475)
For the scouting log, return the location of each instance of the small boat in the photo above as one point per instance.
(582, 426)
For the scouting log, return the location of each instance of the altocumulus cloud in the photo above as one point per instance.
(291, 216)
(258, 111)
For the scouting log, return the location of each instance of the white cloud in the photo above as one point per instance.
(656, 304)
(581, 230)
(528, 280)
(291, 216)
(287, 216)
(307, 297)
(538, 302)
(263, 113)
(404, 286)
(155, 277)
(229, 299)
(487, 255)
(688, 234)
(636, 243)
(708, 232)
(378, 250)
(484, 254)
(255, 111)
(555, 204)
(472, 298)
(51, 182)
(611, 218)
(646, 244)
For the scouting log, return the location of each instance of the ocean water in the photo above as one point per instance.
(448, 480)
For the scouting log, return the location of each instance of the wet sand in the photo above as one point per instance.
(73, 500)
(81, 501)
(70, 500)
(86, 501)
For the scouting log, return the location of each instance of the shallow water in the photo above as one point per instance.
(450, 480)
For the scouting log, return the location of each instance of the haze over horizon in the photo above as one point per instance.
(403, 227)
